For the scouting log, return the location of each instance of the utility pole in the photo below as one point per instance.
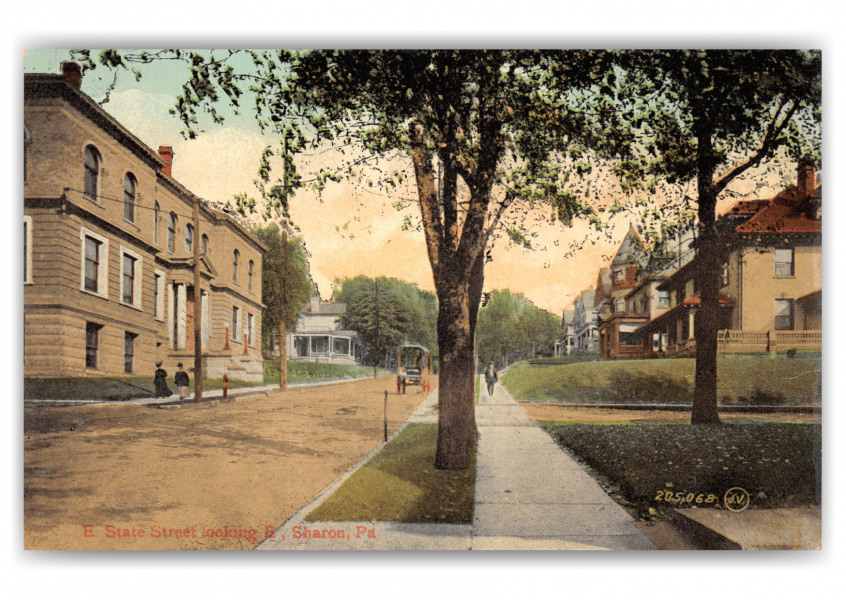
(198, 316)
(283, 349)
(376, 288)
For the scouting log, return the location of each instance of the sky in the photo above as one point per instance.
(350, 229)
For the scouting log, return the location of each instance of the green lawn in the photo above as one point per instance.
(778, 464)
(400, 483)
(299, 371)
(741, 379)
(110, 388)
(127, 388)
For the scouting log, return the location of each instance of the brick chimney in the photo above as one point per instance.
(166, 152)
(73, 73)
(806, 179)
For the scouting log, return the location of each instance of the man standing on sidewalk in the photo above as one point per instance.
(180, 379)
(490, 378)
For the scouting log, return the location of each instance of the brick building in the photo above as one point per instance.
(108, 257)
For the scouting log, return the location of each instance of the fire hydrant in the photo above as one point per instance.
(225, 385)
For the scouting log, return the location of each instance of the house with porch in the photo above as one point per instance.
(319, 338)
(771, 278)
(616, 321)
(567, 344)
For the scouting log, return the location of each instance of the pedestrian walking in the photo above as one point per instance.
(180, 379)
(160, 382)
(491, 378)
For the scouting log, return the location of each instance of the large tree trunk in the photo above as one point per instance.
(456, 391)
(706, 326)
(707, 320)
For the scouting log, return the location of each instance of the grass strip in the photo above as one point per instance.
(741, 379)
(778, 464)
(400, 483)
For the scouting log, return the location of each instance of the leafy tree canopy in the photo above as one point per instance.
(298, 284)
(405, 313)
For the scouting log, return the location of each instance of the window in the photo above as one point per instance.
(189, 238)
(27, 142)
(784, 262)
(27, 249)
(92, 344)
(156, 223)
(92, 172)
(663, 299)
(620, 305)
(235, 256)
(129, 185)
(158, 295)
(128, 351)
(320, 344)
(171, 232)
(130, 277)
(95, 254)
(250, 276)
(341, 346)
(724, 278)
(128, 268)
(784, 314)
(236, 322)
(627, 335)
(250, 323)
(204, 247)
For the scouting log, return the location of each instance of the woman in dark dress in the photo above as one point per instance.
(160, 381)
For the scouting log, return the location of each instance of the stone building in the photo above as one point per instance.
(108, 257)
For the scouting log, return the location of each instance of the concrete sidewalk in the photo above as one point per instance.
(530, 495)
(241, 392)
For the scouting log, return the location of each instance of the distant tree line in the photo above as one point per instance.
(404, 312)
(510, 322)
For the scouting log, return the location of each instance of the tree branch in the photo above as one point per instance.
(774, 129)
(427, 196)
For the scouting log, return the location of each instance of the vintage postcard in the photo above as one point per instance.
(422, 300)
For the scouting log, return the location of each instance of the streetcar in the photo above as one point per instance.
(412, 360)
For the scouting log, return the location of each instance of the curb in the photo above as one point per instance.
(322, 496)
(704, 536)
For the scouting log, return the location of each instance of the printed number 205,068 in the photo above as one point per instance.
(690, 497)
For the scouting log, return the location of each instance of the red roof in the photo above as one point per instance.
(697, 300)
(786, 213)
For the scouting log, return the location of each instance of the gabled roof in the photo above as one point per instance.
(631, 250)
(786, 213)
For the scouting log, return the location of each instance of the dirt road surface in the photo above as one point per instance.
(203, 477)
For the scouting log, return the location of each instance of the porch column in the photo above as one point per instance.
(691, 318)
(204, 311)
(181, 316)
(169, 309)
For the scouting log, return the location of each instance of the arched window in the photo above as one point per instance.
(204, 247)
(92, 172)
(189, 238)
(129, 185)
(156, 223)
(250, 276)
(171, 232)
(235, 256)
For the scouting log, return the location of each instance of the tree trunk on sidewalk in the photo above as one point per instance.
(457, 315)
